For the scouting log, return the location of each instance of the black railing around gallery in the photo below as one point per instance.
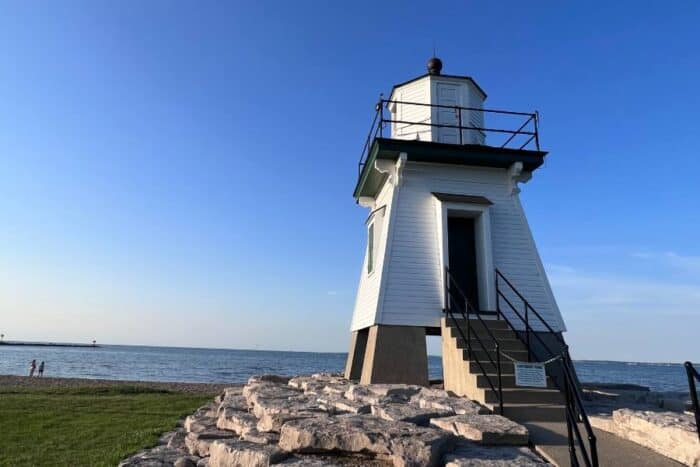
(517, 130)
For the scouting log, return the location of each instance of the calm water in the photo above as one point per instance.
(232, 366)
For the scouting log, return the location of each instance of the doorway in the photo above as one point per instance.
(461, 240)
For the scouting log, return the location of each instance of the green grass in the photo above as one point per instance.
(85, 426)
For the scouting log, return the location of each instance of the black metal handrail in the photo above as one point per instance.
(529, 128)
(692, 376)
(455, 296)
(575, 410)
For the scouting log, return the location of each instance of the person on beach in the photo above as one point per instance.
(41, 368)
(32, 367)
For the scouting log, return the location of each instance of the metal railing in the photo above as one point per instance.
(525, 136)
(692, 376)
(575, 411)
(454, 296)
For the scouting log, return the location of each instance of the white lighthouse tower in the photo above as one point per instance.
(439, 177)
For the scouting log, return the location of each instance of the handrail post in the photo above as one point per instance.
(469, 328)
(569, 421)
(498, 302)
(381, 116)
(693, 394)
(537, 130)
(527, 332)
(500, 382)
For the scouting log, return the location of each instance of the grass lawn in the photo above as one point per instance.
(86, 426)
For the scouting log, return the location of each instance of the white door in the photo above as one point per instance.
(448, 94)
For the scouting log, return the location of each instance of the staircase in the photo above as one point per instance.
(463, 373)
(478, 351)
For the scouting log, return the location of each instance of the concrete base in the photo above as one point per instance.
(356, 356)
(390, 354)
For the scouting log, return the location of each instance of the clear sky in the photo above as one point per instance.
(181, 173)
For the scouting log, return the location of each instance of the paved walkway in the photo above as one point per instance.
(550, 440)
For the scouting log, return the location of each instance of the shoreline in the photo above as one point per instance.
(26, 382)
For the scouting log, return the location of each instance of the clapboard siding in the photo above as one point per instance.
(413, 283)
(365, 312)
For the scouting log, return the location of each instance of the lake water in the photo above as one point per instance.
(233, 366)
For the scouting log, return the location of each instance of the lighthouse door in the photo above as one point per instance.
(461, 240)
(448, 95)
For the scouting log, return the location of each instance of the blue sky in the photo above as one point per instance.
(181, 173)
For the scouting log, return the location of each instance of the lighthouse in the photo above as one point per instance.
(440, 177)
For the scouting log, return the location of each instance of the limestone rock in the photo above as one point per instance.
(177, 441)
(336, 389)
(363, 393)
(203, 462)
(160, 456)
(269, 379)
(410, 413)
(399, 390)
(403, 443)
(199, 443)
(485, 429)
(235, 402)
(333, 403)
(439, 399)
(235, 420)
(472, 455)
(257, 392)
(187, 461)
(260, 437)
(672, 434)
(202, 419)
(273, 413)
(234, 452)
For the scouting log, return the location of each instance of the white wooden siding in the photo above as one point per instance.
(417, 91)
(365, 312)
(412, 288)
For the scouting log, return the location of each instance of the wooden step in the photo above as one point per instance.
(525, 396)
(531, 412)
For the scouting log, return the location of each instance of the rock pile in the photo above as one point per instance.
(325, 420)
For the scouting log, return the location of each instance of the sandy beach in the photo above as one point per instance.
(7, 381)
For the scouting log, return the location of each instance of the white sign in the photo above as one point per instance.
(530, 374)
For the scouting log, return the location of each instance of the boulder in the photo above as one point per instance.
(410, 413)
(273, 413)
(403, 443)
(186, 461)
(269, 379)
(484, 429)
(257, 392)
(199, 443)
(234, 452)
(159, 456)
(669, 433)
(397, 390)
(236, 421)
(177, 441)
(260, 437)
(333, 403)
(472, 455)
(439, 399)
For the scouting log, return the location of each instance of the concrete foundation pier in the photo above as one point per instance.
(388, 354)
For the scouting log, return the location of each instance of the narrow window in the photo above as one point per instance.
(370, 248)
